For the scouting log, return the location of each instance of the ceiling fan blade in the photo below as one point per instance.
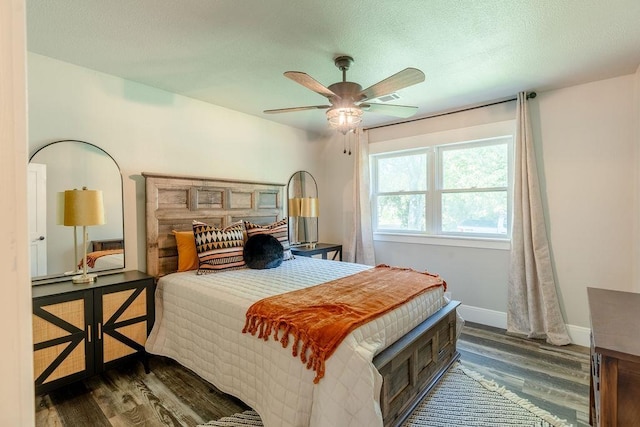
(310, 83)
(400, 80)
(402, 111)
(288, 110)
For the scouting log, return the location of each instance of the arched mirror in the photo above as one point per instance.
(303, 209)
(56, 249)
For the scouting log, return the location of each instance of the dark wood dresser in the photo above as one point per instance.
(615, 358)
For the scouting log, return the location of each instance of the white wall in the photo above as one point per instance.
(149, 130)
(587, 139)
(16, 360)
(636, 234)
(336, 204)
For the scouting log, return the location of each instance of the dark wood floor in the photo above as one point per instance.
(554, 378)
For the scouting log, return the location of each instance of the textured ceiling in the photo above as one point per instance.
(232, 53)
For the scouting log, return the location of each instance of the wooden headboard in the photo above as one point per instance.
(173, 202)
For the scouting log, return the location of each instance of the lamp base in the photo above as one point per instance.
(84, 278)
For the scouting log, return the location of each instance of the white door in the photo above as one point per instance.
(37, 198)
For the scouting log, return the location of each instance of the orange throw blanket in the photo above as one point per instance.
(321, 316)
(92, 257)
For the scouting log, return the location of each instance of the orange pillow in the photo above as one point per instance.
(187, 255)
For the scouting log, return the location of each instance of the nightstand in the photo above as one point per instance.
(320, 249)
(83, 329)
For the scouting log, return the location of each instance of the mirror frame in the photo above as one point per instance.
(57, 277)
(298, 183)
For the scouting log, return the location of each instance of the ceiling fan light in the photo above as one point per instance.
(344, 119)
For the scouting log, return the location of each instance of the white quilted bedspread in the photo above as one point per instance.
(199, 321)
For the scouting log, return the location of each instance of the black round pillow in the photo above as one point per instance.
(263, 251)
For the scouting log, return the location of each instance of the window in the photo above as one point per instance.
(456, 189)
(401, 199)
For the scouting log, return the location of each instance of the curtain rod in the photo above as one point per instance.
(530, 95)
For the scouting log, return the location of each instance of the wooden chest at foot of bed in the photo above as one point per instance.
(413, 365)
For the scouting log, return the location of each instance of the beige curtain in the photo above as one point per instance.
(360, 244)
(533, 308)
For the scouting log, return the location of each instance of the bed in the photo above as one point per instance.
(106, 254)
(376, 375)
(104, 260)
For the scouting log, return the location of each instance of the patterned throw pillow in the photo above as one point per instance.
(279, 230)
(219, 249)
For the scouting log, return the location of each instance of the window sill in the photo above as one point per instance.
(465, 242)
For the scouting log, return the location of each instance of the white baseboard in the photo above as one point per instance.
(579, 335)
(484, 316)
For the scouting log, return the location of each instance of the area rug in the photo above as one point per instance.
(463, 398)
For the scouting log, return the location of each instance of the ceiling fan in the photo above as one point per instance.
(348, 100)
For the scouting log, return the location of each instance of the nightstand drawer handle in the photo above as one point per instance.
(89, 333)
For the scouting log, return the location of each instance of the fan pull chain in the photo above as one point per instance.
(345, 140)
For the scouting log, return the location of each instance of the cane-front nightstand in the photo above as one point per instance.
(83, 329)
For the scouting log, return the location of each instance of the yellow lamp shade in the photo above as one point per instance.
(83, 207)
(309, 207)
(294, 207)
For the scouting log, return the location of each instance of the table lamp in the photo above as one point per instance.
(60, 221)
(83, 208)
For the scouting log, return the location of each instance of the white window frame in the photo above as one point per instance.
(439, 191)
(427, 191)
(433, 144)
